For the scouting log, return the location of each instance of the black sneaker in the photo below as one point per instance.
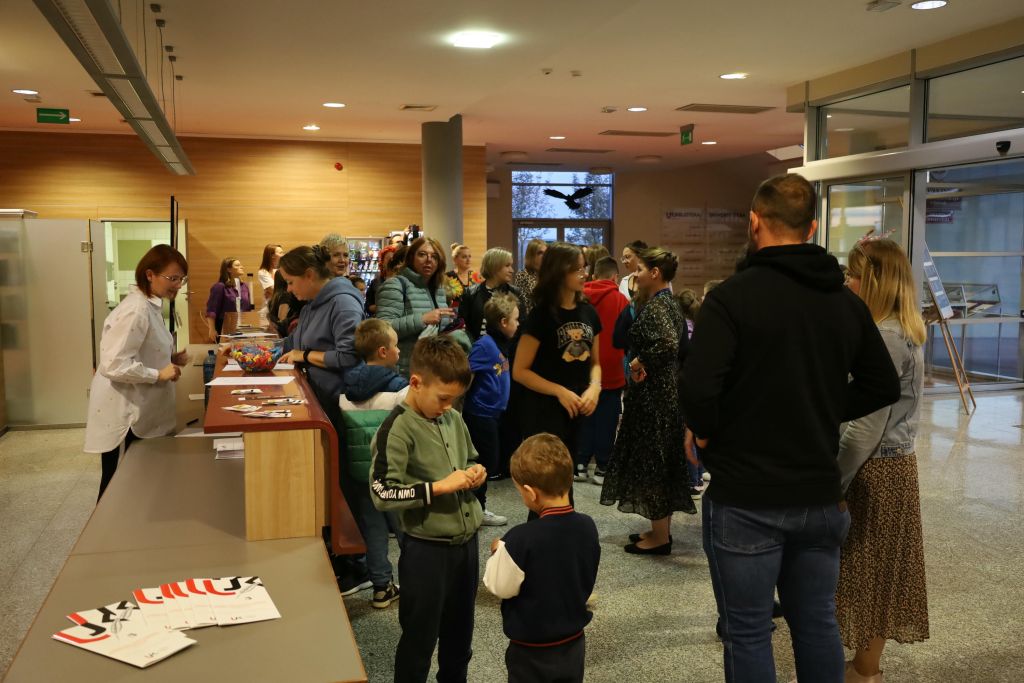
(350, 584)
(382, 597)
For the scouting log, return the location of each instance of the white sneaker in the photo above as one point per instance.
(706, 476)
(491, 519)
(598, 477)
(581, 473)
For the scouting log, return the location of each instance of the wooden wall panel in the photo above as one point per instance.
(246, 193)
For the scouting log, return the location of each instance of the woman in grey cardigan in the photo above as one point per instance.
(881, 594)
(415, 299)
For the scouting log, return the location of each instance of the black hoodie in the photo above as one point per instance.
(782, 353)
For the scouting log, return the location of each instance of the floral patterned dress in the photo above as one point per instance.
(647, 473)
(456, 287)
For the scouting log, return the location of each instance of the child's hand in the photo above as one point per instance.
(494, 545)
(456, 481)
(477, 475)
(570, 401)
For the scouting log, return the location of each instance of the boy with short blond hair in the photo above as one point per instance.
(545, 570)
(424, 467)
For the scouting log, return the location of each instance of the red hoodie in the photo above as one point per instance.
(605, 296)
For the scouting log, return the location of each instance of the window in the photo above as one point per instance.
(856, 210)
(529, 200)
(866, 124)
(981, 100)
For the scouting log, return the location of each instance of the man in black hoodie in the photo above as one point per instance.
(782, 354)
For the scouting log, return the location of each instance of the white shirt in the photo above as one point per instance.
(125, 394)
(265, 278)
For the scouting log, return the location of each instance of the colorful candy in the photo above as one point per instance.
(256, 356)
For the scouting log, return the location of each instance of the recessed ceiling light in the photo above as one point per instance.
(334, 105)
(557, 137)
(74, 120)
(843, 130)
(25, 92)
(636, 109)
(710, 142)
(929, 4)
(311, 126)
(828, 116)
(476, 39)
(737, 76)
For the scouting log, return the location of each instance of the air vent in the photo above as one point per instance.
(725, 108)
(527, 163)
(573, 150)
(638, 133)
(418, 107)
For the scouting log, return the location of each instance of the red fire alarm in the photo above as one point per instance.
(338, 166)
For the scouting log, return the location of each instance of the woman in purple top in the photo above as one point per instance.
(224, 294)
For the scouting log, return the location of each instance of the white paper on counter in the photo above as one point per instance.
(240, 600)
(121, 632)
(151, 603)
(196, 607)
(200, 601)
(179, 614)
(249, 381)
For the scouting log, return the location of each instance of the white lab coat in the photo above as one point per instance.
(125, 394)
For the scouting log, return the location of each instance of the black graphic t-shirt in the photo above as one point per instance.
(566, 343)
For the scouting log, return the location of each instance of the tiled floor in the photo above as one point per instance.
(654, 617)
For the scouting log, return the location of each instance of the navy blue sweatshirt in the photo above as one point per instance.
(544, 571)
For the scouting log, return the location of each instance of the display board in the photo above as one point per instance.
(708, 241)
(934, 284)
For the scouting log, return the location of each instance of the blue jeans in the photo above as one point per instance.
(750, 552)
(374, 525)
(597, 433)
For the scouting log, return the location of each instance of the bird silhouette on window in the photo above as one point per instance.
(570, 200)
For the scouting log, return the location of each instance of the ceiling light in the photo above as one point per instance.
(334, 105)
(557, 137)
(828, 116)
(737, 76)
(311, 126)
(74, 120)
(636, 109)
(25, 92)
(929, 4)
(710, 142)
(476, 39)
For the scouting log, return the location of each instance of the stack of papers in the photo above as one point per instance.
(149, 629)
(229, 449)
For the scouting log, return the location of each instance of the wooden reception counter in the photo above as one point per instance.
(292, 484)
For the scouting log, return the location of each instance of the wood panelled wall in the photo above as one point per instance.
(245, 194)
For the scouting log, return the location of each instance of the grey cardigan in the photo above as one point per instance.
(403, 304)
(889, 432)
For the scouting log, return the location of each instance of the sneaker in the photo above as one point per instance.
(491, 519)
(698, 491)
(350, 585)
(598, 476)
(382, 597)
(581, 473)
(706, 476)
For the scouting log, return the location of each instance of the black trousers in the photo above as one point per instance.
(484, 433)
(108, 462)
(439, 583)
(557, 664)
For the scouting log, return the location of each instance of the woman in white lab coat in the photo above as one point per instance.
(132, 395)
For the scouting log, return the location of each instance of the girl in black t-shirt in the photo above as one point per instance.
(557, 358)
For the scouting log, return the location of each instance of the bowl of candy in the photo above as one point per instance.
(256, 354)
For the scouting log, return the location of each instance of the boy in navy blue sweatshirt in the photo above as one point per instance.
(545, 570)
(492, 382)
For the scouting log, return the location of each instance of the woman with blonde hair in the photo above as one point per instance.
(881, 594)
(496, 269)
(526, 279)
(461, 277)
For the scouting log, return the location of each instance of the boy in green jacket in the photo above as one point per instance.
(424, 467)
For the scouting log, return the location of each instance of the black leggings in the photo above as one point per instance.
(108, 462)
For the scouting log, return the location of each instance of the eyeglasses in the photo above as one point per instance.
(176, 279)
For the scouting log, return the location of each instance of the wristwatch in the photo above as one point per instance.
(305, 356)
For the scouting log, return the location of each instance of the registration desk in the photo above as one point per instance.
(291, 467)
(173, 512)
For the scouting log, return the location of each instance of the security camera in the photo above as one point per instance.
(1003, 146)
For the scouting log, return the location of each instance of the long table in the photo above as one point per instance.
(292, 486)
(173, 512)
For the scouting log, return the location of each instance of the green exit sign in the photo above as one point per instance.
(686, 134)
(53, 115)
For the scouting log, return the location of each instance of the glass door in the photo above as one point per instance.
(857, 209)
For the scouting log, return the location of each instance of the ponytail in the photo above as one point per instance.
(300, 259)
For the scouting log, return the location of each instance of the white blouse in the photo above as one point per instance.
(125, 394)
(265, 278)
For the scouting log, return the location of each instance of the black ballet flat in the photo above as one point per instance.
(635, 538)
(634, 549)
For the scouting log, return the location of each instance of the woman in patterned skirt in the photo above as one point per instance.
(647, 474)
(881, 594)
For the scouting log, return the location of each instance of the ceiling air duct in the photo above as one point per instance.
(91, 30)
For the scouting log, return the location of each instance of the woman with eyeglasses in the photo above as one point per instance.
(132, 391)
(225, 296)
(557, 359)
(881, 594)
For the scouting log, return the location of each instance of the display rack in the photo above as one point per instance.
(364, 253)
